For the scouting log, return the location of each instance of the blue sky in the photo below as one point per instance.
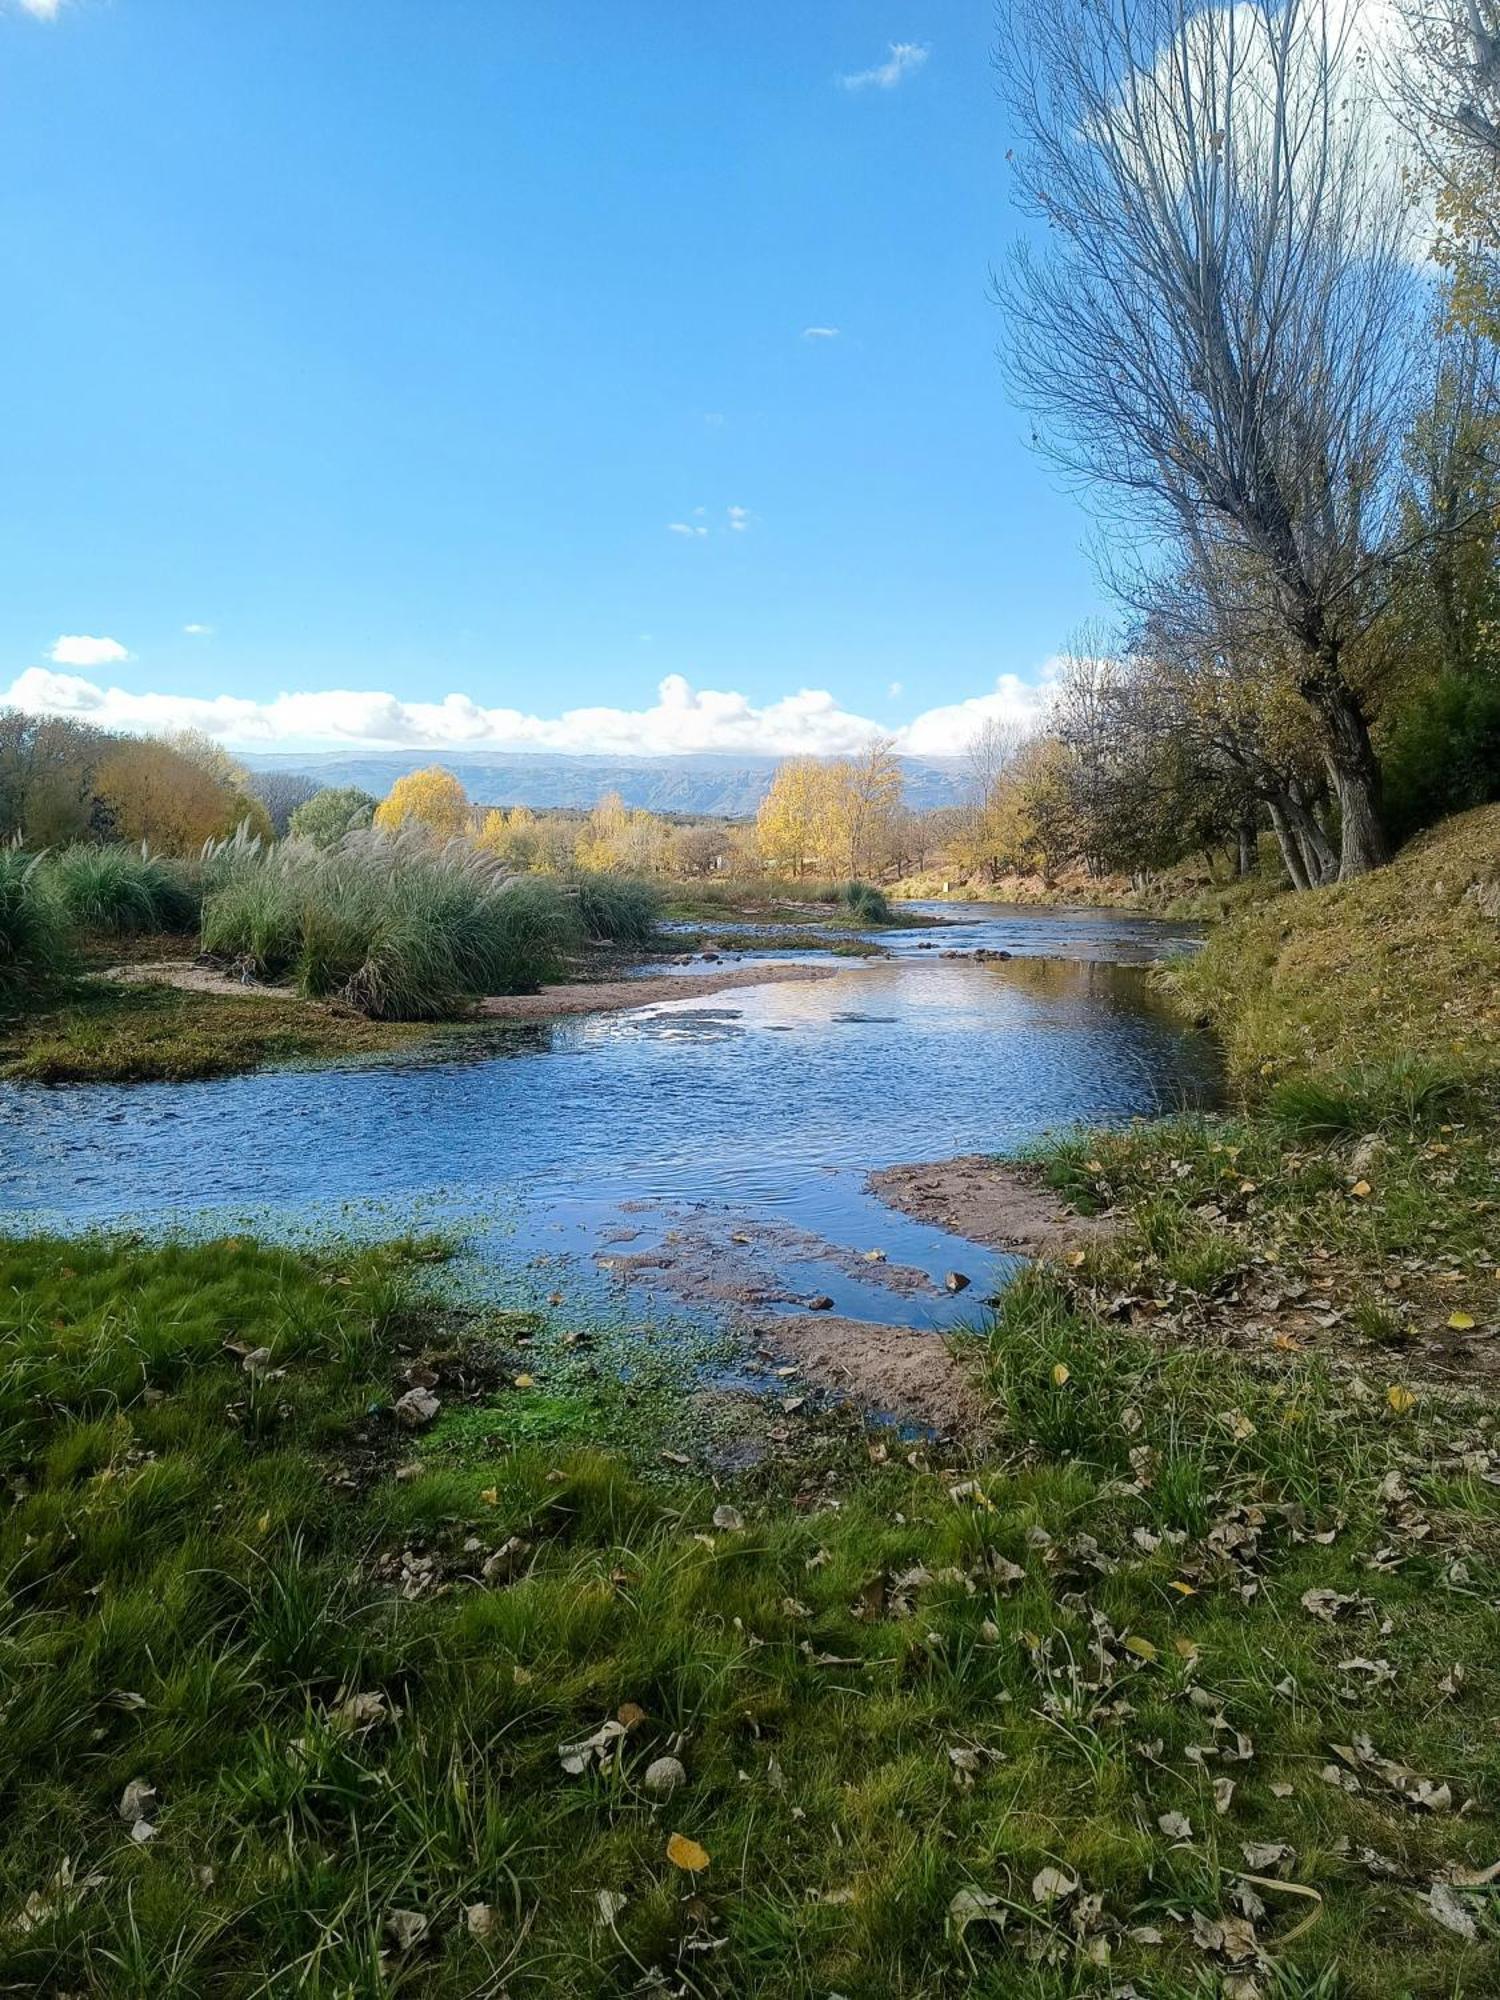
(409, 344)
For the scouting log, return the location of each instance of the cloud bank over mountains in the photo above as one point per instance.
(682, 719)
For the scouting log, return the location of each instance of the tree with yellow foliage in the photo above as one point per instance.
(150, 790)
(864, 805)
(786, 827)
(841, 814)
(512, 836)
(619, 841)
(432, 798)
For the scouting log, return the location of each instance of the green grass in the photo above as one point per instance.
(1402, 966)
(121, 891)
(35, 937)
(793, 899)
(618, 910)
(391, 925)
(98, 1031)
(910, 1682)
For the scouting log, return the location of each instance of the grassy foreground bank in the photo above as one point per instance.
(1187, 1687)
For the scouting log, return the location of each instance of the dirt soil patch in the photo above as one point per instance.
(736, 1261)
(898, 1371)
(990, 1203)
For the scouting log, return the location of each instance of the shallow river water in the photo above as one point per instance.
(765, 1106)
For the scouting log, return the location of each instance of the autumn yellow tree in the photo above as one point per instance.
(149, 790)
(786, 827)
(512, 836)
(621, 841)
(861, 811)
(432, 798)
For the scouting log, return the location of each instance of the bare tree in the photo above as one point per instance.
(1219, 318)
(1446, 77)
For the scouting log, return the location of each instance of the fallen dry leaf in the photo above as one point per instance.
(686, 1854)
(1052, 1885)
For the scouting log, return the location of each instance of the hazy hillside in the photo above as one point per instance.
(731, 786)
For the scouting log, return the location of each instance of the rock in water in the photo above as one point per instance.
(956, 1281)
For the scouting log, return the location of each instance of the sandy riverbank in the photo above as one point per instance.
(990, 1203)
(601, 996)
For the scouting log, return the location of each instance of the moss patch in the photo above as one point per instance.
(103, 1032)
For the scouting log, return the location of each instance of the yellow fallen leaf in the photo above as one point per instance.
(525, 1381)
(1400, 1399)
(490, 1495)
(1460, 1321)
(1076, 1257)
(1361, 1188)
(1182, 1589)
(1060, 1374)
(685, 1853)
(1185, 1649)
(1142, 1648)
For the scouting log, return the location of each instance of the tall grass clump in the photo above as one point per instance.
(390, 924)
(120, 890)
(618, 909)
(34, 931)
(865, 903)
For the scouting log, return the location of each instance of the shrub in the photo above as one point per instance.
(255, 912)
(1406, 1091)
(326, 817)
(618, 909)
(121, 890)
(33, 928)
(390, 924)
(865, 902)
(1443, 753)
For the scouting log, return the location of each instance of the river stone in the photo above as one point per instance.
(821, 1304)
(664, 1776)
(956, 1281)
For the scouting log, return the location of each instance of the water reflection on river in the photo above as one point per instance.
(770, 1102)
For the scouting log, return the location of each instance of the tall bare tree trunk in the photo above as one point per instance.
(1245, 856)
(1291, 849)
(1353, 768)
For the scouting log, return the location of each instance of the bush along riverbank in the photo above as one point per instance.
(337, 1661)
(355, 942)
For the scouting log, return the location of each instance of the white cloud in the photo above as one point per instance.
(42, 10)
(199, 631)
(685, 528)
(896, 690)
(739, 519)
(948, 732)
(820, 333)
(903, 60)
(77, 649)
(682, 718)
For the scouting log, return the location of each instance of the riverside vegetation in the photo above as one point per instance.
(1184, 1684)
(371, 931)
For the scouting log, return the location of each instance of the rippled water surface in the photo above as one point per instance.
(769, 1102)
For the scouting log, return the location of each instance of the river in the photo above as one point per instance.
(744, 1125)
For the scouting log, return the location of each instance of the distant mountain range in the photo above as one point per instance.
(726, 787)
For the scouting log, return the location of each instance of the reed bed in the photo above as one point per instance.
(403, 929)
